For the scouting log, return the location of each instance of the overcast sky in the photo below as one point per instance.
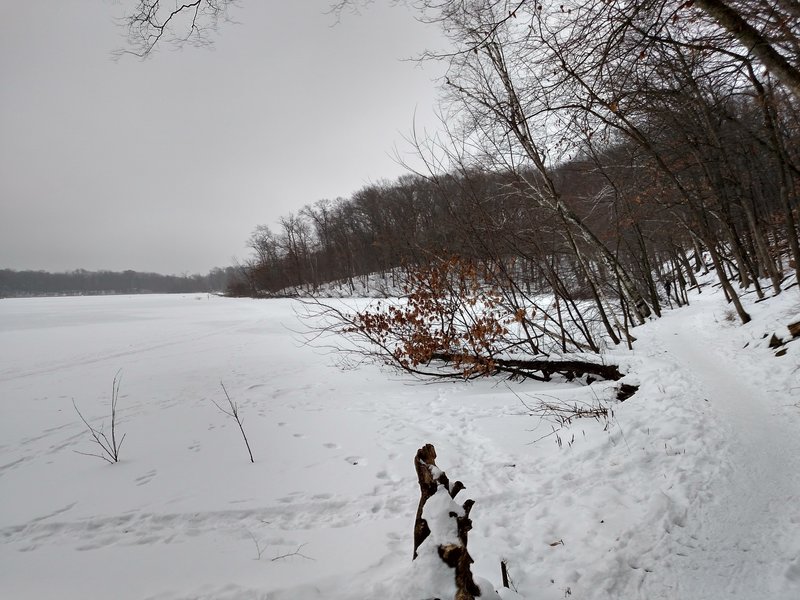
(168, 164)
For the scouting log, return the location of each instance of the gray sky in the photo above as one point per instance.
(167, 165)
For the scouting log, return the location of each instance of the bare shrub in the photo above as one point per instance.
(454, 322)
(109, 448)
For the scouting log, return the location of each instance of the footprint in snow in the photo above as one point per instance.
(357, 461)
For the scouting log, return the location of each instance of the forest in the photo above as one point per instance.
(596, 149)
(597, 154)
(86, 283)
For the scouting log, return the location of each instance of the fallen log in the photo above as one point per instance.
(450, 522)
(570, 369)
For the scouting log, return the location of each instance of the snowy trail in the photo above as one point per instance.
(745, 541)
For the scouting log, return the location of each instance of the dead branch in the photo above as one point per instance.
(259, 549)
(295, 553)
(233, 413)
(152, 22)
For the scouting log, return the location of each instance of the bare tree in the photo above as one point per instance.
(154, 22)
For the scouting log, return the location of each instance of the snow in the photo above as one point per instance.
(430, 574)
(373, 285)
(690, 490)
(745, 541)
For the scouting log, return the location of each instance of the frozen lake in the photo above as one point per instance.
(184, 514)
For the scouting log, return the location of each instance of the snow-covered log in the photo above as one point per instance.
(442, 524)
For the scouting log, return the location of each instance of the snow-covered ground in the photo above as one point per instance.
(691, 490)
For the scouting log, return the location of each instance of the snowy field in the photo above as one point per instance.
(691, 490)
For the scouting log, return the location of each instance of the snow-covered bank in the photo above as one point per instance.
(741, 536)
(691, 490)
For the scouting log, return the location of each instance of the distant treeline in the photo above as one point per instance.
(80, 282)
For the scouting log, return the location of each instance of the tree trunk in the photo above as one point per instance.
(729, 19)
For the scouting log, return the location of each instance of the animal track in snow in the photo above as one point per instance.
(146, 478)
(13, 464)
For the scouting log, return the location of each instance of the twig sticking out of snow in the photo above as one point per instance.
(507, 581)
(233, 413)
(259, 549)
(295, 553)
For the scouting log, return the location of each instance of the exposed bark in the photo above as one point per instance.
(794, 329)
(625, 391)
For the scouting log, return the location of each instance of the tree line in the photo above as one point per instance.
(591, 147)
(81, 282)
